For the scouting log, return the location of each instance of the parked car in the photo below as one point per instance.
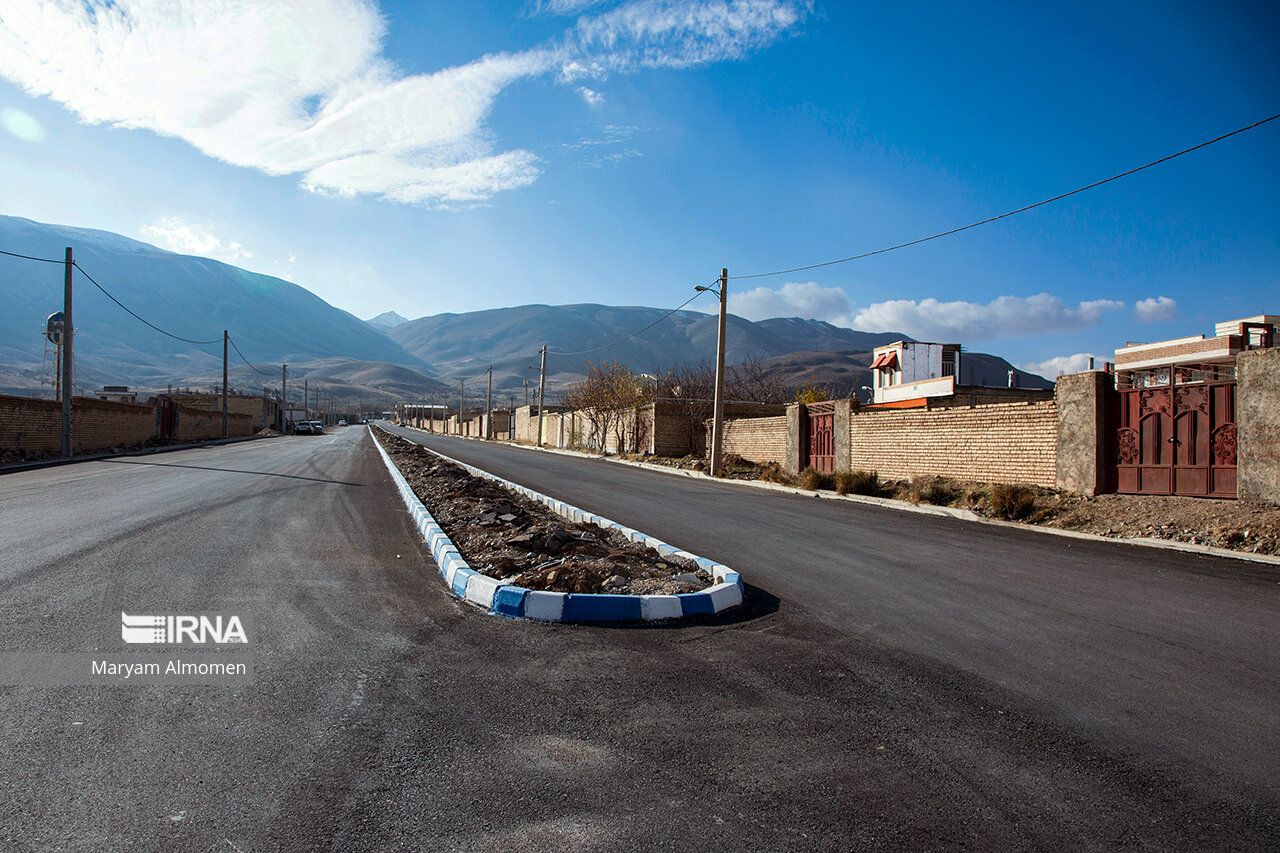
(342, 422)
(302, 428)
(317, 428)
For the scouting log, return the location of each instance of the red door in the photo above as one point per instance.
(1179, 439)
(821, 436)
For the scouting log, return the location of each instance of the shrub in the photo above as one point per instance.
(858, 483)
(1015, 502)
(771, 472)
(931, 490)
(812, 479)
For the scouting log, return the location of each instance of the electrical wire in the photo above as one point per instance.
(1011, 212)
(231, 341)
(32, 258)
(136, 317)
(636, 332)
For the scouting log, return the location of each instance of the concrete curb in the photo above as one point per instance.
(514, 601)
(924, 509)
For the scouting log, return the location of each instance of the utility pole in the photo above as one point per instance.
(717, 429)
(68, 374)
(488, 406)
(224, 383)
(284, 396)
(462, 399)
(542, 387)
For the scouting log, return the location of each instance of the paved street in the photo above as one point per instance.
(894, 682)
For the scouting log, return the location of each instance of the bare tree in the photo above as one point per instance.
(752, 382)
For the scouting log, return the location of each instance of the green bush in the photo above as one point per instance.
(1015, 502)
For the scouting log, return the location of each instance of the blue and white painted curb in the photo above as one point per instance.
(506, 600)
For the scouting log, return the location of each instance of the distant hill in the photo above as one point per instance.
(270, 320)
(387, 320)
(464, 345)
(387, 358)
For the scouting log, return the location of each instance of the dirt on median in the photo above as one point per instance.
(505, 535)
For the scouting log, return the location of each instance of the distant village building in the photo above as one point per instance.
(117, 394)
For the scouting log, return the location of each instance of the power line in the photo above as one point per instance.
(136, 317)
(1011, 212)
(32, 258)
(633, 334)
(231, 341)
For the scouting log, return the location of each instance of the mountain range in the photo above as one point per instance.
(383, 360)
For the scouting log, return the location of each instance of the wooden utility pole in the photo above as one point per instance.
(717, 428)
(68, 359)
(542, 387)
(284, 397)
(488, 407)
(224, 383)
(462, 399)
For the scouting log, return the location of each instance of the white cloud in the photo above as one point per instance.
(22, 125)
(178, 235)
(301, 87)
(1052, 368)
(562, 7)
(676, 34)
(959, 322)
(1156, 310)
(794, 299)
(591, 96)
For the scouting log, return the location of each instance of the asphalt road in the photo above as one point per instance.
(894, 682)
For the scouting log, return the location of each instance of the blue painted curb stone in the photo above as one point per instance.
(517, 602)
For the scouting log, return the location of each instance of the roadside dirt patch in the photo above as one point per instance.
(521, 542)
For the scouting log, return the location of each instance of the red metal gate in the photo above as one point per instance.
(164, 417)
(821, 438)
(1177, 432)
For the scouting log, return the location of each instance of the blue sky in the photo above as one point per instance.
(458, 156)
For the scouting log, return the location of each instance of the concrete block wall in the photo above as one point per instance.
(1001, 442)
(757, 439)
(1258, 425)
(1084, 431)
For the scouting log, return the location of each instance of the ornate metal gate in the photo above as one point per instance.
(821, 438)
(1177, 432)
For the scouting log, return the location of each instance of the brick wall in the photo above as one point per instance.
(1000, 442)
(36, 425)
(757, 439)
(236, 404)
(202, 424)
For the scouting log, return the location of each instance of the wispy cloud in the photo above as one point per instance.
(188, 238)
(301, 86)
(1007, 316)
(1052, 368)
(675, 34)
(794, 299)
(1158, 309)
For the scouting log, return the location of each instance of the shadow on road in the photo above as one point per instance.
(230, 471)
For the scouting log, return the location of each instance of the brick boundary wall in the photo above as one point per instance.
(757, 439)
(30, 424)
(998, 442)
(199, 424)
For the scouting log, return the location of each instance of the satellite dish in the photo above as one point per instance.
(54, 328)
